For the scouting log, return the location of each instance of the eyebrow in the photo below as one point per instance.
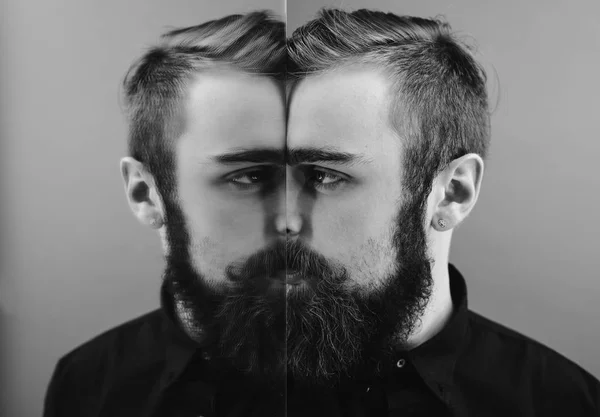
(266, 155)
(324, 155)
(293, 156)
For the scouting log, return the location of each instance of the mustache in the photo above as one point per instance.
(289, 255)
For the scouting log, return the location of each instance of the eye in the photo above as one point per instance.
(255, 178)
(325, 180)
(248, 178)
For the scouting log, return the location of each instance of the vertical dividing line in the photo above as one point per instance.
(285, 392)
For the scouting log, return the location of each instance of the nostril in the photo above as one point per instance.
(293, 224)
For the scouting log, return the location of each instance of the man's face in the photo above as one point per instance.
(334, 214)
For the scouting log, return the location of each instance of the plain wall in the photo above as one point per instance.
(74, 262)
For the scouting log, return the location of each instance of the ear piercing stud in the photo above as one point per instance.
(442, 223)
(155, 222)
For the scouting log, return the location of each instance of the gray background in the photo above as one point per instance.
(74, 262)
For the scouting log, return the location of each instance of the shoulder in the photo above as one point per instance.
(120, 353)
(522, 364)
(132, 338)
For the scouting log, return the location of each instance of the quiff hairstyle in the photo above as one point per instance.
(439, 101)
(155, 85)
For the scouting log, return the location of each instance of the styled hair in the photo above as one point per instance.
(155, 85)
(439, 101)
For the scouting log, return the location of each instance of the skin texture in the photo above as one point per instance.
(352, 223)
(228, 223)
(337, 199)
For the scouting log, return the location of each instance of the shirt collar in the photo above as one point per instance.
(435, 359)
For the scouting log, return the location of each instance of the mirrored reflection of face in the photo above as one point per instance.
(334, 216)
(222, 232)
(230, 206)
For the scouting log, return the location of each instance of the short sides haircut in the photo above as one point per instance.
(439, 101)
(155, 85)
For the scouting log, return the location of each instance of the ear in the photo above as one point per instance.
(456, 191)
(141, 193)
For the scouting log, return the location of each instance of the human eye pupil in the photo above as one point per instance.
(326, 178)
(263, 178)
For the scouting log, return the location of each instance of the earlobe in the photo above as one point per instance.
(442, 224)
(156, 222)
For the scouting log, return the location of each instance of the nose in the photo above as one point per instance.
(289, 220)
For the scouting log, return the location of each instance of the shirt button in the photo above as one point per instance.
(400, 364)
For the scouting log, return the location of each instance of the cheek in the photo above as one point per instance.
(359, 236)
(222, 218)
(221, 232)
(345, 222)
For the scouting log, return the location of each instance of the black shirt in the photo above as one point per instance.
(473, 367)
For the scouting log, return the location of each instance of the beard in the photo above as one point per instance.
(323, 334)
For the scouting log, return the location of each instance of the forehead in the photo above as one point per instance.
(230, 109)
(347, 107)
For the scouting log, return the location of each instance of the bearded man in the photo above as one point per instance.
(307, 248)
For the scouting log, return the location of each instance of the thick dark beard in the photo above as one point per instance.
(241, 328)
(332, 335)
(335, 336)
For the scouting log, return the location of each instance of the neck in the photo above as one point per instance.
(439, 307)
